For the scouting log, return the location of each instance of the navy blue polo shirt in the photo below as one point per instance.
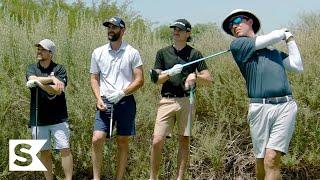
(263, 69)
(167, 57)
(52, 109)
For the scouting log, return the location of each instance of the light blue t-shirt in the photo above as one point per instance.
(262, 69)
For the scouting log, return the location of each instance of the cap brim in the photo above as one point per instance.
(179, 26)
(255, 25)
(39, 44)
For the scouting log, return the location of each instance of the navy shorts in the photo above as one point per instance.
(124, 113)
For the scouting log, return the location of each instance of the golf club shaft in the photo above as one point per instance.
(36, 113)
(205, 58)
(191, 102)
(111, 119)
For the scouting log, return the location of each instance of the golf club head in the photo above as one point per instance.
(154, 75)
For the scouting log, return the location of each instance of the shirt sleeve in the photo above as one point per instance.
(242, 48)
(30, 71)
(61, 74)
(202, 64)
(159, 61)
(137, 61)
(94, 68)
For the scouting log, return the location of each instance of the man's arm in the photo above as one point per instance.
(272, 38)
(293, 62)
(94, 78)
(204, 77)
(44, 84)
(137, 82)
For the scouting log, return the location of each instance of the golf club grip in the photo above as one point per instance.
(202, 59)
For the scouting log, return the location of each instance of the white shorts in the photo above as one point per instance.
(60, 134)
(271, 126)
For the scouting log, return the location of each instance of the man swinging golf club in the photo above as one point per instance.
(174, 104)
(272, 109)
(48, 111)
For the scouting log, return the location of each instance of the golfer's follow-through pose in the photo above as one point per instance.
(174, 104)
(48, 110)
(272, 109)
(116, 72)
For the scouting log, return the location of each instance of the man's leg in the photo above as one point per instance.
(67, 163)
(122, 159)
(272, 164)
(183, 155)
(98, 140)
(260, 168)
(46, 159)
(157, 146)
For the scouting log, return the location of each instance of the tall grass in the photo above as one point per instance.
(220, 146)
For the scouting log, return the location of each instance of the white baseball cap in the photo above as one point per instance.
(47, 44)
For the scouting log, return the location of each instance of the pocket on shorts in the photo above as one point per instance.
(253, 111)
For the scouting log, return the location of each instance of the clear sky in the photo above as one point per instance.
(273, 14)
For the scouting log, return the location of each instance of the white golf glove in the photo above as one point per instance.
(176, 69)
(116, 96)
(288, 34)
(32, 83)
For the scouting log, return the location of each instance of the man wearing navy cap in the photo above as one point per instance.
(272, 109)
(116, 73)
(174, 104)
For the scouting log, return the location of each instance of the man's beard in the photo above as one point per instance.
(114, 37)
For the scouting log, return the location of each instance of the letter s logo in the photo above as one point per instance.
(23, 155)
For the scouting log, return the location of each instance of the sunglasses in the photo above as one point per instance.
(237, 20)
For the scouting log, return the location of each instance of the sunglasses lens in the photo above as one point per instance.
(236, 20)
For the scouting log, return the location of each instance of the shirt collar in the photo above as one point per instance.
(122, 46)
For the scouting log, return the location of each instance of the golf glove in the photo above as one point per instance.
(116, 96)
(176, 69)
(32, 83)
(288, 34)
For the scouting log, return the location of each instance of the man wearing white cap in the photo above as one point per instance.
(272, 109)
(48, 109)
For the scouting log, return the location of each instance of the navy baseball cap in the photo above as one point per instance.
(182, 24)
(115, 21)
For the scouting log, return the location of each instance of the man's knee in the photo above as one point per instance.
(184, 141)
(98, 138)
(157, 140)
(65, 152)
(272, 159)
(122, 142)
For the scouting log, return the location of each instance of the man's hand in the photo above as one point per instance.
(287, 34)
(116, 96)
(190, 81)
(58, 83)
(176, 69)
(100, 105)
(32, 83)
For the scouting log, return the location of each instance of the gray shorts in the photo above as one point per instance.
(271, 126)
(59, 133)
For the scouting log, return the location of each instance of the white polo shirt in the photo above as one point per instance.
(115, 68)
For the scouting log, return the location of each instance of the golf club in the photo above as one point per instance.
(202, 59)
(191, 102)
(154, 74)
(111, 119)
(205, 58)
